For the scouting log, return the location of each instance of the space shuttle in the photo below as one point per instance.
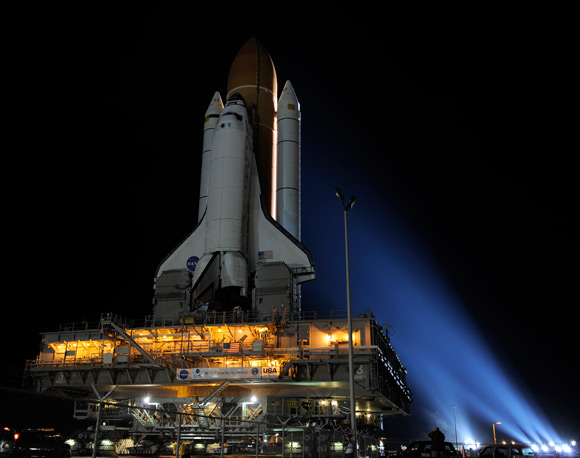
(245, 252)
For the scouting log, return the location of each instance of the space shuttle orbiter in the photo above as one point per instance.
(245, 251)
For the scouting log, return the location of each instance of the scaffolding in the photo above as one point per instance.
(211, 375)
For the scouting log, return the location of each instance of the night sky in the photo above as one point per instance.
(453, 128)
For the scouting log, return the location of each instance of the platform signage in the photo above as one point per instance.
(270, 371)
(227, 373)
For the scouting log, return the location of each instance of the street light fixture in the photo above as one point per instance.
(493, 425)
(347, 208)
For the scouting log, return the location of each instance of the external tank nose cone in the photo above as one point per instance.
(252, 73)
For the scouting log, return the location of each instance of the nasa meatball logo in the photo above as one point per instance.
(254, 371)
(183, 374)
(192, 263)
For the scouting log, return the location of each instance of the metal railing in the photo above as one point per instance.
(213, 317)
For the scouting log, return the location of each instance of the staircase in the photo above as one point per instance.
(211, 396)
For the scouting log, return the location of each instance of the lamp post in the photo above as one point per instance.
(455, 424)
(493, 425)
(347, 208)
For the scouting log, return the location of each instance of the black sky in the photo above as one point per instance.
(464, 118)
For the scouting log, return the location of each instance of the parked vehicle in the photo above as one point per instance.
(506, 451)
(8, 439)
(41, 443)
(421, 449)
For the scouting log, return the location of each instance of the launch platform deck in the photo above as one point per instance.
(212, 371)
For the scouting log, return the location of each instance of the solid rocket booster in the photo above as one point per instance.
(288, 162)
(211, 118)
(239, 255)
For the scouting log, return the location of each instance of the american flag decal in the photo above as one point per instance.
(269, 254)
(232, 347)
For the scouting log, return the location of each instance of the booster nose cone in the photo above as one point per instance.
(253, 76)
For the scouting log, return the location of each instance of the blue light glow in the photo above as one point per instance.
(448, 360)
